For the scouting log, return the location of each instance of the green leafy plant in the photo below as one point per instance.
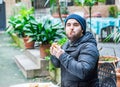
(115, 35)
(15, 26)
(62, 41)
(51, 67)
(31, 29)
(87, 2)
(113, 11)
(17, 23)
(49, 31)
(23, 24)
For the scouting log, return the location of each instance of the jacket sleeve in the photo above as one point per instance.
(55, 61)
(87, 61)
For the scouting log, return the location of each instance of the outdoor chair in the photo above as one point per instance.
(108, 82)
(106, 70)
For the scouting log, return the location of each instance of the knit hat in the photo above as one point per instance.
(80, 19)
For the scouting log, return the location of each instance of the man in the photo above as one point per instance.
(78, 58)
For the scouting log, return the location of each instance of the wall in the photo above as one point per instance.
(117, 2)
(11, 6)
(102, 9)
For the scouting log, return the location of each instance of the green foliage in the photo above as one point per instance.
(24, 24)
(115, 35)
(15, 26)
(62, 41)
(107, 59)
(49, 31)
(87, 2)
(90, 2)
(113, 11)
(19, 22)
(16, 9)
(52, 2)
(24, 12)
(77, 3)
(103, 1)
(51, 66)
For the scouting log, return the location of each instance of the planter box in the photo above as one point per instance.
(109, 59)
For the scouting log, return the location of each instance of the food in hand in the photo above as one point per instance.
(34, 85)
(39, 85)
(55, 45)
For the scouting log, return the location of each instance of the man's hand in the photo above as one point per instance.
(56, 50)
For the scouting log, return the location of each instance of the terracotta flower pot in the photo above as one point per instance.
(44, 50)
(28, 45)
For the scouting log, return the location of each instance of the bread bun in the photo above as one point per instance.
(34, 85)
(54, 45)
(39, 85)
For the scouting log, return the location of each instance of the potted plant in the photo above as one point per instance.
(49, 31)
(31, 30)
(24, 26)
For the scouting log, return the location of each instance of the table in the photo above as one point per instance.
(50, 84)
(98, 23)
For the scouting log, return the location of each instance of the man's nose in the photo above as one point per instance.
(72, 27)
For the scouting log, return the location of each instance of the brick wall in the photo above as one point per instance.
(102, 9)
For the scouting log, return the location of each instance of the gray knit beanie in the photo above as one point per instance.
(80, 19)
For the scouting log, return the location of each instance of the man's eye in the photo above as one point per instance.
(68, 24)
(76, 24)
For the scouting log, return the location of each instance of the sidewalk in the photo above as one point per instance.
(9, 72)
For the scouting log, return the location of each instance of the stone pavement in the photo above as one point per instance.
(10, 74)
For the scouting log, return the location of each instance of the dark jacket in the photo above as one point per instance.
(79, 63)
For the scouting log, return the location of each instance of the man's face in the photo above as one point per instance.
(73, 29)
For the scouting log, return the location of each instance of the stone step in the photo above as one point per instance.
(29, 68)
(34, 55)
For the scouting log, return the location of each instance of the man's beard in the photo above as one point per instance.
(74, 37)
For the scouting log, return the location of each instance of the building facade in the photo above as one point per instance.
(12, 6)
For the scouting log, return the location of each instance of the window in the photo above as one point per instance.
(17, 1)
(110, 2)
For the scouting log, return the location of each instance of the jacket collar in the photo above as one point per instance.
(71, 46)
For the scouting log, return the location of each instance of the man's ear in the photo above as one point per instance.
(82, 31)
